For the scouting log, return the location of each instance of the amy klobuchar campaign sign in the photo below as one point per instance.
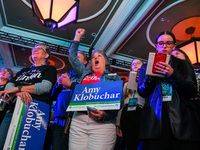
(28, 126)
(102, 95)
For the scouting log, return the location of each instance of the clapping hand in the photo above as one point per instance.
(64, 80)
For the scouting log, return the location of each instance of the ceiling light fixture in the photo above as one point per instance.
(192, 46)
(56, 13)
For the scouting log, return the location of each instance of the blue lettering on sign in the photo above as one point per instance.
(102, 91)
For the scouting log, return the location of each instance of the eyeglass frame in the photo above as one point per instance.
(3, 71)
(137, 63)
(168, 43)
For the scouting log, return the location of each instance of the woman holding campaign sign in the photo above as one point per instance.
(94, 130)
(168, 118)
(30, 84)
(128, 118)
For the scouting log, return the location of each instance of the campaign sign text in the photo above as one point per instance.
(102, 95)
(31, 127)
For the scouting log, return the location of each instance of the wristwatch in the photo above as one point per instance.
(19, 88)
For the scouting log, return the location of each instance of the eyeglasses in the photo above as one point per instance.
(39, 48)
(168, 43)
(4, 71)
(136, 63)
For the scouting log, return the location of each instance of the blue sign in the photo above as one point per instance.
(101, 95)
(34, 125)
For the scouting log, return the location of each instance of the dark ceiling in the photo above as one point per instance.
(124, 29)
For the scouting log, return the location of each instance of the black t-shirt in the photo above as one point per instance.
(35, 74)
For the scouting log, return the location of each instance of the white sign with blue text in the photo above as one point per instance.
(102, 96)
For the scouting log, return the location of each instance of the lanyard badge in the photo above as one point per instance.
(166, 92)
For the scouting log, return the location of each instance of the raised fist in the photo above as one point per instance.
(79, 34)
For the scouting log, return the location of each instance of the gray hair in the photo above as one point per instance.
(47, 50)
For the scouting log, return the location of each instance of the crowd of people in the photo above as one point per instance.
(158, 113)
